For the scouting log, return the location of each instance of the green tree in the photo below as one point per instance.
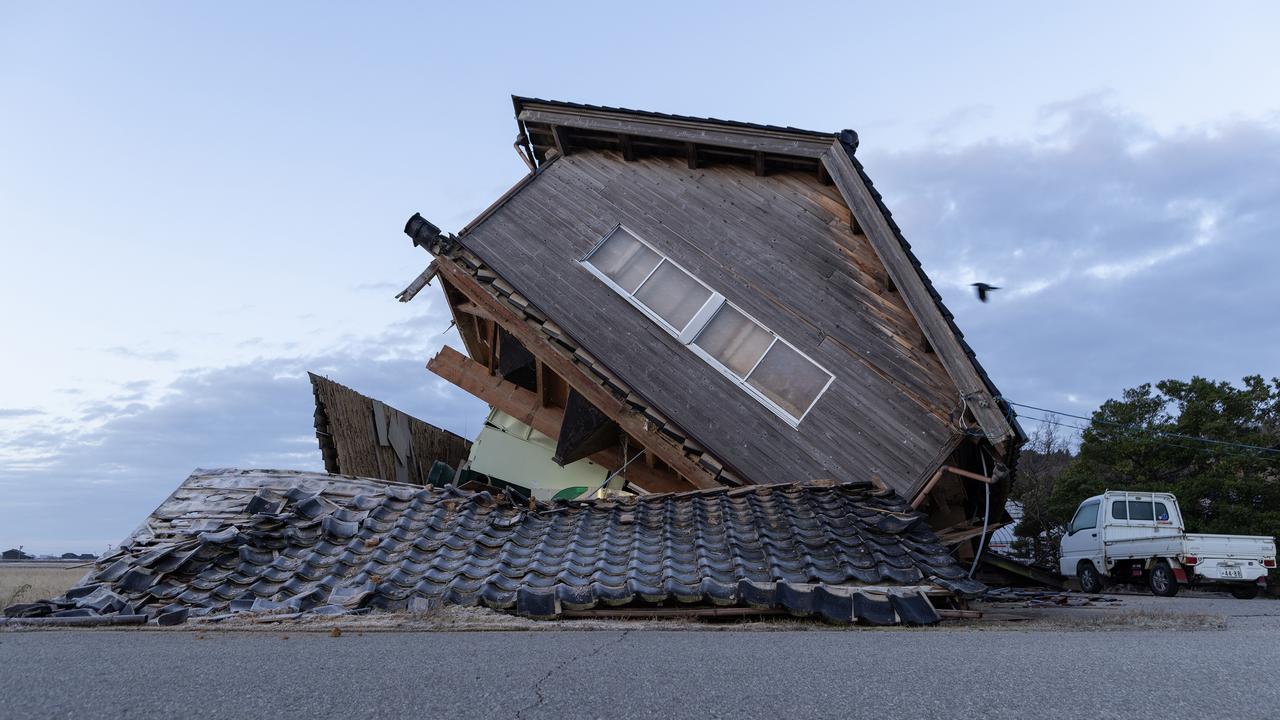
(1042, 461)
(1144, 441)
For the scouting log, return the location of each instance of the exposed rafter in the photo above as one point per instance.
(631, 422)
(526, 407)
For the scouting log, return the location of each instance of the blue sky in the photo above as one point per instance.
(201, 203)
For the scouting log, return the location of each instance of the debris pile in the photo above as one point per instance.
(230, 541)
(1044, 597)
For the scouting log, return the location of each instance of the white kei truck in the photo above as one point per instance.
(1136, 537)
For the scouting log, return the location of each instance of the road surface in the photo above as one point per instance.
(931, 673)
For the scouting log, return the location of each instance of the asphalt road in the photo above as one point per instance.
(931, 673)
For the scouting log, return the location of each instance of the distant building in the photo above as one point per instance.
(14, 554)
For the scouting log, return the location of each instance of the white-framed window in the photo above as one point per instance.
(757, 359)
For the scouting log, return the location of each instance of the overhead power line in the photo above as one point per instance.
(1140, 429)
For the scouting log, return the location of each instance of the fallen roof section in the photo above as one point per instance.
(362, 436)
(287, 541)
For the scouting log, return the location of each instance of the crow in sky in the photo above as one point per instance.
(983, 289)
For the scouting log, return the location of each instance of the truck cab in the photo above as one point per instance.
(1140, 536)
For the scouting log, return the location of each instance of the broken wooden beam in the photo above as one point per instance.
(630, 421)
(584, 431)
(526, 407)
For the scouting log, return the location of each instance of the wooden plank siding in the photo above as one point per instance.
(941, 335)
(351, 443)
(780, 247)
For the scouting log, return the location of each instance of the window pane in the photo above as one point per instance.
(1118, 511)
(734, 339)
(673, 294)
(1162, 512)
(1087, 518)
(626, 260)
(1141, 511)
(789, 379)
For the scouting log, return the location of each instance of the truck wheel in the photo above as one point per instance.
(1244, 592)
(1090, 578)
(1162, 581)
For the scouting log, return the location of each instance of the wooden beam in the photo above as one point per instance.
(472, 309)
(703, 133)
(868, 216)
(691, 154)
(965, 473)
(491, 358)
(628, 152)
(631, 422)
(824, 177)
(560, 136)
(540, 373)
(959, 533)
(758, 162)
(938, 476)
(948, 614)
(924, 491)
(423, 279)
(585, 430)
(468, 329)
(526, 407)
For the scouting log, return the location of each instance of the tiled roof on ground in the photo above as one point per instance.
(278, 541)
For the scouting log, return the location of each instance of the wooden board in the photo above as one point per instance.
(348, 427)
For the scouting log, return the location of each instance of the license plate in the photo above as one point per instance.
(1231, 573)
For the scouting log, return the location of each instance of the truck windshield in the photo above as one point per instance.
(1086, 517)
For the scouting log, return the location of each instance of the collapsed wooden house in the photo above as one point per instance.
(691, 306)
(694, 303)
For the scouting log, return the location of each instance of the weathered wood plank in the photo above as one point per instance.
(745, 139)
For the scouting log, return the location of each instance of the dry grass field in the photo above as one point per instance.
(28, 581)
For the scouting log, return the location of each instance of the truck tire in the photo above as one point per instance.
(1244, 592)
(1090, 578)
(1162, 581)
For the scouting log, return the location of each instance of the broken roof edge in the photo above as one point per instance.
(779, 140)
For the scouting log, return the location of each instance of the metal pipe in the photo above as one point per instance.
(521, 150)
(986, 516)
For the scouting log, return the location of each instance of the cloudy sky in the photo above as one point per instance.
(198, 205)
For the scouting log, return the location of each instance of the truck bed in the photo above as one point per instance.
(1234, 547)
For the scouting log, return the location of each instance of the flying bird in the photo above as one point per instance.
(983, 289)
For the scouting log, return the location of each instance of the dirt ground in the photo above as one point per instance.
(25, 581)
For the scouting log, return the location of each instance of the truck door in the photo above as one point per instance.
(1081, 541)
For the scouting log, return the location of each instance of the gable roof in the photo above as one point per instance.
(550, 124)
